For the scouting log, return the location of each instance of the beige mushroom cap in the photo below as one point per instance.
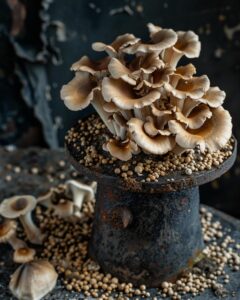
(23, 255)
(33, 280)
(7, 230)
(194, 87)
(155, 145)
(185, 72)
(214, 97)
(120, 93)
(196, 118)
(119, 70)
(163, 39)
(213, 135)
(120, 43)
(78, 93)
(85, 64)
(153, 29)
(17, 206)
(122, 150)
(152, 130)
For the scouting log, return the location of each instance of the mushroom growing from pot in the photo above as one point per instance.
(21, 207)
(33, 280)
(81, 192)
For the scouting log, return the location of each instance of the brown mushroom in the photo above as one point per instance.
(8, 234)
(23, 255)
(122, 150)
(21, 207)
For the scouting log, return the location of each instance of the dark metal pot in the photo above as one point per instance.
(146, 233)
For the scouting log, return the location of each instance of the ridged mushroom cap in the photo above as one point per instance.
(120, 93)
(214, 97)
(85, 64)
(155, 145)
(78, 93)
(17, 206)
(213, 135)
(33, 280)
(162, 39)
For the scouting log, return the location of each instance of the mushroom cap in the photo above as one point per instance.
(155, 145)
(122, 150)
(214, 97)
(122, 94)
(213, 135)
(7, 230)
(79, 92)
(152, 130)
(188, 43)
(185, 72)
(153, 29)
(119, 70)
(121, 42)
(194, 87)
(24, 255)
(162, 39)
(81, 187)
(33, 280)
(17, 206)
(85, 64)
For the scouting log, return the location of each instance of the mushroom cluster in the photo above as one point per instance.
(146, 101)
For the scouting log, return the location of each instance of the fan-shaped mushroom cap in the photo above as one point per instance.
(78, 93)
(120, 43)
(122, 150)
(7, 230)
(85, 64)
(214, 134)
(185, 72)
(123, 95)
(162, 39)
(187, 44)
(23, 255)
(196, 118)
(119, 70)
(17, 206)
(151, 129)
(146, 64)
(156, 145)
(214, 97)
(33, 280)
(194, 88)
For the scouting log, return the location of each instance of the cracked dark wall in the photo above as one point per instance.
(41, 39)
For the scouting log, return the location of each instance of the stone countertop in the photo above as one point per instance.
(33, 171)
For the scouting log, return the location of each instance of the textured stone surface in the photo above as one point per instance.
(26, 182)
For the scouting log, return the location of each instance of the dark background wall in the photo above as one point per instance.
(40, 39)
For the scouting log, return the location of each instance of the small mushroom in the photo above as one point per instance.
(81, 192)
(21, 207)
(8, 234)
(33, 280)
(63, 208)
(122, 150)
(23, 255)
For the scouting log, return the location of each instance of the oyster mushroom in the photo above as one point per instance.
(23, 255)
(118, 45)
(151, 128)
(160, 40)
(213, 135)
(64, 207)
(194, 87)
(122, 150)
(214, 97)
(21, 207)
(155, 145)
(8, 234)
(81, 192)
(33, 280)
(187, 44)
(123, 95)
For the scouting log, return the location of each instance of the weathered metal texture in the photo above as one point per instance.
(145, 239)
(146, 233)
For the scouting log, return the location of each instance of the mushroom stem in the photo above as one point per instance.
(33, 233)
(172, 57)
(16, 243)
(138, 113)
(103, 114)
